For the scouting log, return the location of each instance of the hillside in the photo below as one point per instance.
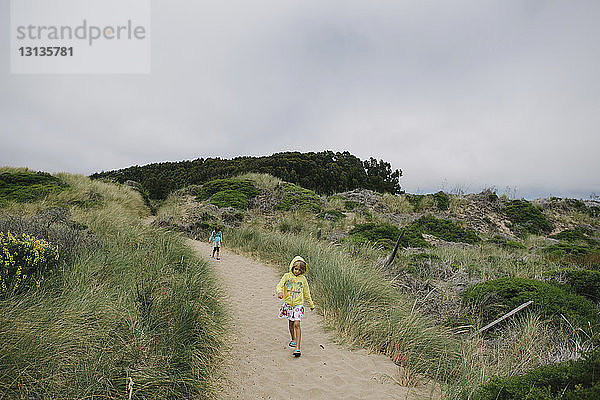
(96, 304)
(464, 261)
(137, 293)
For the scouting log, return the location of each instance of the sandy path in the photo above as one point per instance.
(262, 366)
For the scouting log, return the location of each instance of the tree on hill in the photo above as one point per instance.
(324, 172)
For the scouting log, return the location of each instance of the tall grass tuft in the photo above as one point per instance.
(140, 309)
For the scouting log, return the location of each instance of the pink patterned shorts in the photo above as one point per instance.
(292, 313)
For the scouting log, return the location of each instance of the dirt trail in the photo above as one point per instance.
(262, 365)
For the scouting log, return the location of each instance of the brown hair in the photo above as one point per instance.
(300, 264)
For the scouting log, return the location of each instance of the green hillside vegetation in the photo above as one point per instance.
(446, 230)
(505, 243)
(126, 304)
(234, 193)
(585, 283)
(324, 172)
(465, 259)
(498, 296)
(527, 218)
(438, 279)
(296, 197)
(23, 186)
(573, 380)
(579, 236)
(386, 235)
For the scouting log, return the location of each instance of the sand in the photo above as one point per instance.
(261, 365)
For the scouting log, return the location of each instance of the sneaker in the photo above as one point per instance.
(218, 258)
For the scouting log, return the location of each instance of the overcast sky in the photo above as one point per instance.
(459, 95)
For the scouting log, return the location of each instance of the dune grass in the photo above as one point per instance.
(365, 306)
(408, 309)
(357, 301)
(139, 313)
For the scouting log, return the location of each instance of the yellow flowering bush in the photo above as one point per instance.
(24, 262)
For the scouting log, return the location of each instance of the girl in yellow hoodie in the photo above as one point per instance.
(293, 289)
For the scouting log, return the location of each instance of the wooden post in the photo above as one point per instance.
(391, 257)
(502, 318)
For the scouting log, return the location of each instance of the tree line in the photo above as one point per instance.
(324, 172)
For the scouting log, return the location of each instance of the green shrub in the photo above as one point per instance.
(332, 215)
(569, 380)
(384, 235)
(413, 237)
(413, 233)
(562, 249)
(492, 197)
(506, 244)
(27, 186)
(227, 192)
(579, 236)
(499, 296)
(527, 218)
(587, 261)
(446, 230)
(583, 282)
(24, 262)
(442, 201)
(350, 205)
(245, 186)
(416, 200)
(296, 197)
(230, 198)
(580, 206)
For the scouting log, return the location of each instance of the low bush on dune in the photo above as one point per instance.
(572, 380)
(583, 282)
(53, 225)
(386, 235)
(24, 186)
(505, 243)
(230, 192)
(563, 249)
(527, 218)
(446, 230)
(580, 236)
(350, 205)
(496, 297)
(297, 198)
(442, 201)
(332, 215)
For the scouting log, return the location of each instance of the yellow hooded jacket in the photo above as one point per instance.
(295, 288)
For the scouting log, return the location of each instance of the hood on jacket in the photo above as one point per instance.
(297, 258)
